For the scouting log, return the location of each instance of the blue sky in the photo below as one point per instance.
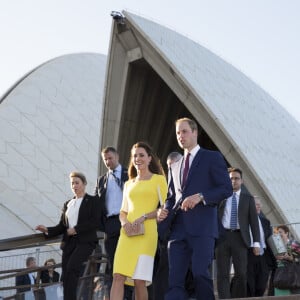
(259, 37)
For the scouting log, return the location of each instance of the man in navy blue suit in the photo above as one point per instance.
(26, 279)
(199, 182)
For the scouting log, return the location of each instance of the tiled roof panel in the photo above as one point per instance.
(265, 134)
(50, 124)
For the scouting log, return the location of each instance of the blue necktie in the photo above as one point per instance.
(118, 180)
(233, 218)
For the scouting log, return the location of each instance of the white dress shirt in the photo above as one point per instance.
(114, 194)
(32, 280)
(227, 211)
(73, 211)
(227, 214)
(262, 237)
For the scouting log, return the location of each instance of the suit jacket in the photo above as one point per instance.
(269, 256)
(23, 280)
(45, 278)
(207, 175)
(247, 216)
(87, 224)
(100, 190)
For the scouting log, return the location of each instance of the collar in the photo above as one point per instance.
(238, 193)
(118, 169)
(193, 152)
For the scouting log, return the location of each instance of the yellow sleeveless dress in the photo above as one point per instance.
(134, 255)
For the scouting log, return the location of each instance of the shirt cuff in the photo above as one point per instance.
(256, 245)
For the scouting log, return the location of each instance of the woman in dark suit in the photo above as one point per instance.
(49, 275)
(78, 223)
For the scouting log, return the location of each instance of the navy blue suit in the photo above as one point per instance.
(193, 232)
(23, 280)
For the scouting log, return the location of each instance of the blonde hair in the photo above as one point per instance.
(79, 175)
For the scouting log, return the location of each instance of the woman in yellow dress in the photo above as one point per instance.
(134, 257)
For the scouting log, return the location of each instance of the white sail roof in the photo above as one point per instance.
(50, 123)
(258, 128)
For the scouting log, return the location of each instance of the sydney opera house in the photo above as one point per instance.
(58, 116)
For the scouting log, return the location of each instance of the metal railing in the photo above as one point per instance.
(90, 283)
(294, 229)
(14, 263)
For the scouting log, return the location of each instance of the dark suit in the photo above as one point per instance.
(259, 267)
(110, 225)
(45, 277)
(23, 280)
(193, 232)
(234, 245)
(77, 248)
(161, 268)
(100, 190)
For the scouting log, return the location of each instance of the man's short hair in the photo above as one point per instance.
(29, 259)
(191, 123)
(109, 149)
(174, 156)
(232, 169)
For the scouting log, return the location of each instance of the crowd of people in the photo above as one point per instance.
(162, 233)
(30, 282)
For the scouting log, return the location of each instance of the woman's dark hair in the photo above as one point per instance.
(154, 166)
(284, 228)
(49, 260)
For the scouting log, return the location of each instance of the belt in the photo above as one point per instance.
(113, 217)
(233, 230)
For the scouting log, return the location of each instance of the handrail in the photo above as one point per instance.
(19, 272)
(287, 224)
(90, 272)
(37, 240)
(27, 241)
(31, 240)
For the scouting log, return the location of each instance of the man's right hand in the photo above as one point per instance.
(162, 213)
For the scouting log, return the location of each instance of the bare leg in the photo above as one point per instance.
(117, 289)
(140, 290)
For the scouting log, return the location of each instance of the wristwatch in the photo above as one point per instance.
(145, 216)
(201, 197)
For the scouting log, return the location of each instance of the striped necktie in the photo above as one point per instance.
(233, 217)
(118, 180)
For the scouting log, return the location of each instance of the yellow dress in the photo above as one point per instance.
(134, 255)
